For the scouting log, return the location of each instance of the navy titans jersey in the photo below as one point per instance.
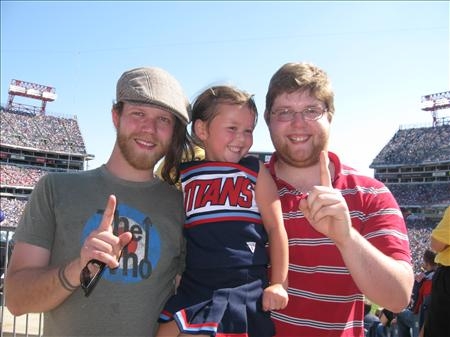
(223, 225)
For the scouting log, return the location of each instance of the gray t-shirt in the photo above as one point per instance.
(65, 207)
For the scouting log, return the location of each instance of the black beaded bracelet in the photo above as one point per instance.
(63, 280)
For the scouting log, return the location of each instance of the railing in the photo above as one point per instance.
(20, 326)
(16, 326)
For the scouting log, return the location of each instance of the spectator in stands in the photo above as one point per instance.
(383, 328)
(346, 232)
(370, 319)
(437, 321)
(63, 231)
(410, 320)
(424, 284)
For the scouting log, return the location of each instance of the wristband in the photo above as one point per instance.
(63, 279)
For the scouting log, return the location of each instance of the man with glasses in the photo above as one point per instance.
(347, 236)
(131, 250)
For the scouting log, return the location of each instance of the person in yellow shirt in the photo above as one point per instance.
(437, 323)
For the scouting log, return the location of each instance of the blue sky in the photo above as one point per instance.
(382, 58)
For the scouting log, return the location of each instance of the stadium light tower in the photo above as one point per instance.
(41, 92)
(435, 102)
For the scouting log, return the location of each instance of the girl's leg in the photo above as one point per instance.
(169, 329)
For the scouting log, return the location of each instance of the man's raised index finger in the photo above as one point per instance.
(108, 215)
(325, 177)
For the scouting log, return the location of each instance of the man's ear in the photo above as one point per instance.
(115, 117)
(266, 116)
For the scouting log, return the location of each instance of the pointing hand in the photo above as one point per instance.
(325, 208)
(102, 244)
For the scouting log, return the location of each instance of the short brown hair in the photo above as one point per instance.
(304, 77)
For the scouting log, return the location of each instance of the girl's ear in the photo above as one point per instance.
(201, 129)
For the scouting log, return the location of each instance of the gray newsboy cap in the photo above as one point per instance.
(154, 86)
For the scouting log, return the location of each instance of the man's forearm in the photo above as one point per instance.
(385, 281)
(38, 289)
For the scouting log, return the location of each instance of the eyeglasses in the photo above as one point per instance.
(92, 272)
(309, 114)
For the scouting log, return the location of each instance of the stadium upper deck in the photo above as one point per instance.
(416, 146)
(415, 166)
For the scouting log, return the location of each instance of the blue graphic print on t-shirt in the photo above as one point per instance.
(141, 255)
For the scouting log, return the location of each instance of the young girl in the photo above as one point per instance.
(232, 210)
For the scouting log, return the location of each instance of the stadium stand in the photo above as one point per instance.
(415, 166)
(29, 148)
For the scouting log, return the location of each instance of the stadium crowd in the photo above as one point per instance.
(421, 193)
(416, 146)
(419, 241)
(42, 131)
(13, 175)
(12, 208)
